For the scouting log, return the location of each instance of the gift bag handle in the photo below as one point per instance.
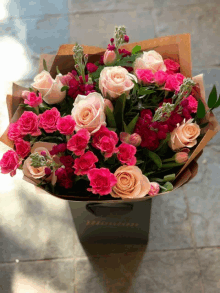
(108, 210)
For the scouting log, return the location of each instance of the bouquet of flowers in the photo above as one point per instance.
(125, 123)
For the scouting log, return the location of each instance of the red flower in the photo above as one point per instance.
(67, 161)
(48, 120)
(78, 142)
(9, 163)
(59, 148)
(66, 125)
(172, 66)
(63, 178)
(101, 181)
(91, 67)
(126, 154)
(23, 148)
(28, 124)
(124, 52)
(85, 163)
(147, 115)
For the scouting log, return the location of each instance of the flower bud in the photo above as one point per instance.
(109, 57)
(126, 39)
(135, 139)
(124, 137)
(154, 189)
(181, 157)
(112, 40)
(108, 103)
(47, 171)
(43, 153)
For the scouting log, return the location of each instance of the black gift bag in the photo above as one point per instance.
(100, 222)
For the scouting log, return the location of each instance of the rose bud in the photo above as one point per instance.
(47, 171)
(108, 103)
(124, 137)
(109, 57)
(135, 139)
(43, 153)
(181, 157)
(126, 39)
(154, 189)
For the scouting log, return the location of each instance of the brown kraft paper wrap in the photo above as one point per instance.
(176, 47)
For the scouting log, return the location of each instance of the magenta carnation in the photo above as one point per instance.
(192, 104)
(101, 181)
(28, 124)
(23, 148)
(160, 77)
(78, 142)
(48, 120)
(85, 163)
(66, 125)
(9, 163)
(33, 100)
(126, 154)
(14, 132)
(145, 76)
(172, 66)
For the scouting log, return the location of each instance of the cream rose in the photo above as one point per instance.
(114, 81)
(184, 135)
(88, 112)
(150, 60)
(131, 183)
(49, 88)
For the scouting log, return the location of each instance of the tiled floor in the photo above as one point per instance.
(39, 246)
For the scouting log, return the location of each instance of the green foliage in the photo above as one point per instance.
(132, 124)
(155, 158)
(145, 91)
(212, 97)
(96, 74)
(110, 118)
(66, 106)
(119, 111)
(200, 110)
(57, 69)
(136, 49)
(28, 108)
(126, 61)
(170, 177)
(64, 88)
(45, 65)
(168, 186)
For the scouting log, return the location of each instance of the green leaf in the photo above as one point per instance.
(168, 186)
(125, 127)
(110, 118)
(145, 91)
(31, 90)
(212, 97)
(203, 125)
(171, 165)
(28, 108)
(132, 124)
(139, 162)
(163, 142)
(217, 103)
(64, 88)
(169, 177)
(136, 49)
(45, 65)
(119, 111)
(58, 72)
(154, 157)
(201, 110)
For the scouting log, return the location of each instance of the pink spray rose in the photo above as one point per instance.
(48, 120)
(14, 131)
(109, 57)
(150, 60)
(78, 142)
(154, 189)
(115, 80)
(160, 77)
(28, 124)
(126, 154)
(86, 162)
(66, 125)
(49, 88)
(145, 76)
(101, 181)
(33, 100)
(88, 112)
(23, 148)
(9, 163)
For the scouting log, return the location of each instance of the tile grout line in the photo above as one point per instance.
(193, 237)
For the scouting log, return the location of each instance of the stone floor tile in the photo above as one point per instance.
(210, 269)
(201, 20)
(33, 224)
(96, 29)
(33, 8)
(204, 199)
(172, 3)
(100, 5)
(51, 276)
(169, 227)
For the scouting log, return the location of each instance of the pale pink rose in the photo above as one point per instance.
(109, 57)
(49, 88)
(150, 60)
(88, 112)
(116, 80)
(184, 135)
(135, 139)
(108, 103)
(131, 183)
(181, 157)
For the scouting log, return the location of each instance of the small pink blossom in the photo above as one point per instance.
(28, 124)
(145, 76)
(78, 142)
(9, 163)
(126, 154)
(154, 189)
(85, 163)
(14, 131)
(48, 120)
(160, 77)
(66, 125)
(33, 100)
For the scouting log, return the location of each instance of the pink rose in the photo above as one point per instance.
(33, 100)
(131, 183)
(28, 124)
(108, 103)
(9, 163)
(85, 163)
(135, 139)
(48, 120)
(184, 135)
(49, 88)
(14, 131)
(105, 140)
(23, 148)
(101, 181)
(66, 125)
(145, 76)
(154, 189)
(181, 157)
(114, 81)
(91, 67)
(78, 142)
(172, 66)
(109, 57)
(160, 77)
(150, 60)
(126, 154)
(88, 112)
